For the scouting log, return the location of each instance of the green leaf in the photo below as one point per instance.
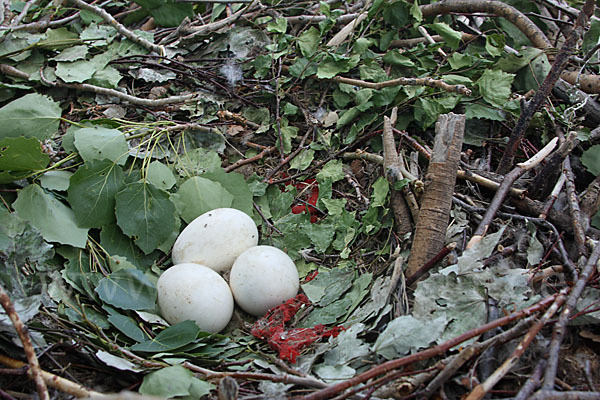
(173, 337)
(115, 243)
(495, 86)
(32, 115)
(160, 175)
(72, 53)
(198, 195)
(450, 36)
(22, 154)
(81, 70)
(56, 180)
(167, 13)
(494, 44)
(55, 221)
(381, 187)
(415, 11)
(146, 214)
(407, 334)
(591, 159)
(330, 67)
(92, 193)
(127, 326)
(328, 286)
(303, 160)
(100, 143)
(277, 26)
(197, 162)
(394, 57)
(128, 289)
(308, 42)
(168, 382)
(235, 184)
(332, 170)
(482, 111)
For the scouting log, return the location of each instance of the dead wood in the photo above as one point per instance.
(589, 83)
(430, 232)
(35, 371)
(543, 91)
(571, 94)
(498, 8)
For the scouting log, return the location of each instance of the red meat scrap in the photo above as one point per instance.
(289, 342)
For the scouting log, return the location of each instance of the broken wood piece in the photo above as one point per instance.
(392, 164)
(430, 233)
(502, 191)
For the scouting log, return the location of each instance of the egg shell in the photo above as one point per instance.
(263, 277)
(215, 239)
(195, 292)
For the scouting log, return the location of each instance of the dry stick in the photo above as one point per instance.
(483, 388)
(467, 175)
(560, 327)
(553, 195)
(346, 31)
(393, 166)
(428, 353)
(574, 395)
(434, 214)
(545, 88)
(415, 41)
(138, 101)
(578, 228)
(430, 264)
(502, 191)
(524, 24)
(249, 160)
(282, 378)
(193, 32)
(34, 365)
(434, 83)
(41, 25)
(120, 27)
(473, 350)
(532, 383)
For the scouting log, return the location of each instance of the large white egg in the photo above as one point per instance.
(195, 292)
(263, 277)
(215, 239)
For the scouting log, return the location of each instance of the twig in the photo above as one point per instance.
(434, 83)
(282, 378)
(560, 327)
(430, 264)
(532, 383)
(572, 200)
(41, 25)
(17, 20)
(553, 196)
(473, 350)
(34, 365)
(560, 62)
(123, 96)
(574, 395)
(483, 388)
(430, 352)
(524, 24)
(249, 160)
(120, 27)
(508, 180)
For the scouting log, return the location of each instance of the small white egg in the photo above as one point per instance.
(197, 293)
(263, 277)
(215, 239)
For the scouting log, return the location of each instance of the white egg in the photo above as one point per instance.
(263, 277)
(215, 239)
(195, 292)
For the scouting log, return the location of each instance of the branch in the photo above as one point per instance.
(120, 27)
(508, 180)
(34, 366)
(524, 24)
(560, 327)
(380, 369)
(545, 88)
(434, 83)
